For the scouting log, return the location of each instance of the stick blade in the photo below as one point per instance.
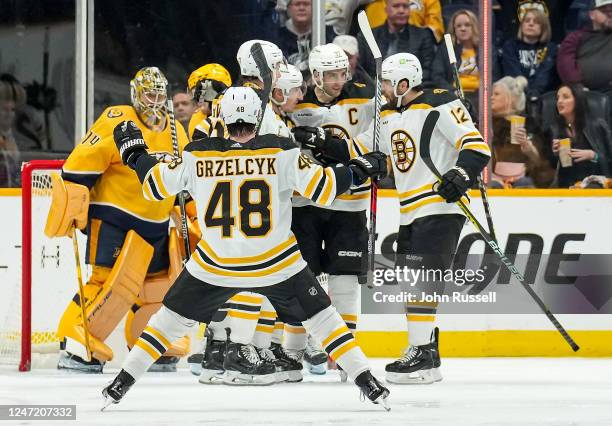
(366, 30)
(262, 65)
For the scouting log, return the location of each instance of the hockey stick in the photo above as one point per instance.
(452, 59)
(180, 195)
(428, 128)
(75, 245)
(366, 30)
(266, 76)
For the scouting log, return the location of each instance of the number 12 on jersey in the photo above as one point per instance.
(253, 202)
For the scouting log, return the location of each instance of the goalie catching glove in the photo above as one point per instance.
(130, 142)
(370, 165)
(454, 184)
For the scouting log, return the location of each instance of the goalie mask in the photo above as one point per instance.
(402, 66)
(290, 80)
(149, 93)
(325, 58)
(240, 105)
(207, 82)
(248, 67)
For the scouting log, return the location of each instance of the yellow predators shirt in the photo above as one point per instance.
(116, 193)
(400, 137)
(348, 116)
(243, 198)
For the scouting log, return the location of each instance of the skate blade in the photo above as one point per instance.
(318, 369)
(196, 370)
(383, 401)
(294, 376)
(211, 377)
(235, 378)
(107, 400)
(421, 377)
(281, 376)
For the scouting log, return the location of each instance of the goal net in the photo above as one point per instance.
(40, 277)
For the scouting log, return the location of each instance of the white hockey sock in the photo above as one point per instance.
(218, 328)
(295, 337)
(337, 340)
(265, 325)
(243, 316)
(277, 335)
(164, 327)
(344, 295)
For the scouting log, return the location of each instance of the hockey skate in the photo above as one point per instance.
(372, 389)
(315, 357)
(211, 366)
(164, 364)
(418, 365)
(244, 367)
(114, 392)
(71, 362)
(267, 356)
(290, 361)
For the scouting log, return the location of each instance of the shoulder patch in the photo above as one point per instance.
(114, 113)
(360, 85)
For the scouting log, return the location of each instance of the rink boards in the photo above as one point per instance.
(548, 214)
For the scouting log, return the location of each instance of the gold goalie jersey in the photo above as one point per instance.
(400, 137)
(348, 116)
(243, 197)
(116, 195)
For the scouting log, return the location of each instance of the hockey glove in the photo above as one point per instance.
(454, 184)
(130, 142)
(310, 137)
(371, 165)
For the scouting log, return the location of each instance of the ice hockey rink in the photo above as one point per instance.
(483, 391)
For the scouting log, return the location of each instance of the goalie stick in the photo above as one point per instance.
(452, 59)
(180, 195)
(428, 128)
(266, 76)
(366, 30)
(75, 246)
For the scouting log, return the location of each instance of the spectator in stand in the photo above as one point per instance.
(464, 30)
(397, 35)
(294, 38)
(584, 56)
(184, 107)
(512, 12)
(423, 13)
(28, 127)
(531, 54)
(519, 159)
(349, 44)
(591, 141)
(9, 154)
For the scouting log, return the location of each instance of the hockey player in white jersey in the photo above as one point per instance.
(242, 188)
(251, 317)
(250, 76)
(334, 238)
(430, 220)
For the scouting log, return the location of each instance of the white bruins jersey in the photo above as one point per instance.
(243, 199)
(400, 137)
(213, 126)
(348, 116)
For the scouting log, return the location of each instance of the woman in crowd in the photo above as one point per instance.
(519, 159)
(463, 28)
(591, 141)
(531, 54)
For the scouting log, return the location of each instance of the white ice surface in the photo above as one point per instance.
(484, 391)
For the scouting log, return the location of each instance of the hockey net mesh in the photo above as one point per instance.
(52, 282)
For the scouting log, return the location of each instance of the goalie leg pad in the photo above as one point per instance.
(109, 294)
(69, 205)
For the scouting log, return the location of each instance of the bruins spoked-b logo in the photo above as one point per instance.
(404, 150)
(337, 131)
